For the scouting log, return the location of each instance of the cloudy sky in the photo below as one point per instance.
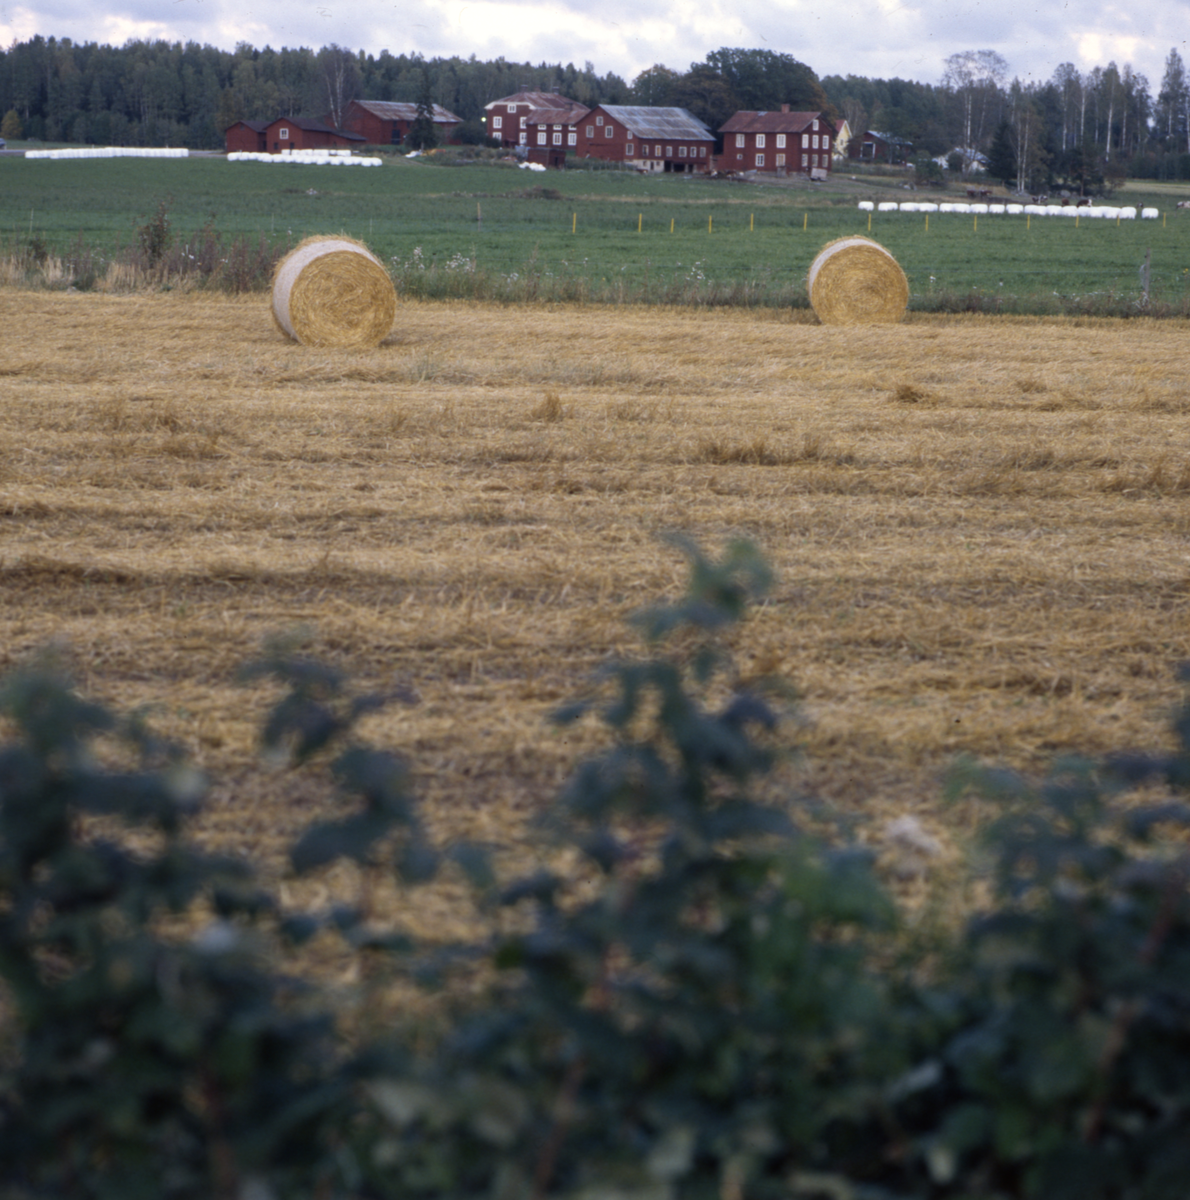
(877, 38)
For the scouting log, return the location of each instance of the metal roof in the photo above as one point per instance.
(557, 116)
(771, 122)
(536, 99)
(389, 110)
(646, 122)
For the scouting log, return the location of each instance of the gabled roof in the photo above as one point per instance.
(646, 122)
(772, 122)
(557, 116)
(390, 110)
(536, 99)
(255, 126)
(305, 124)
(890, 138)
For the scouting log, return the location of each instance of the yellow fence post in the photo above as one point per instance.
(869, 222)
(927, 222)
(639, 218)
(975, 226)
(805, 221)
(709, 224)
(1028, 218)
(671, 224)
(573, 222)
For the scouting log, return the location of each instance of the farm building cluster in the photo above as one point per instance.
(549, 129)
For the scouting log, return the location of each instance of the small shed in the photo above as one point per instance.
(246, 137)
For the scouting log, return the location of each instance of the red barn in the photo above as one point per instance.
(246, 136)
(299, 133)
(553, 133)
(780, 142)
(507, 120)
(652, 139)
(387, 123)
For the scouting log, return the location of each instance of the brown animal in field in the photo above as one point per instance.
(1184, 204)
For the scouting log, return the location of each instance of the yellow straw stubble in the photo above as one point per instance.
(333, 291)
(856, 281)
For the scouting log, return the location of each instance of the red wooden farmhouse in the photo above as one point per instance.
(287, 133)
(782, 142)
(552, 133)
(507, 119)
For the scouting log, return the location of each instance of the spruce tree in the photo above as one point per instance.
(1002, 156)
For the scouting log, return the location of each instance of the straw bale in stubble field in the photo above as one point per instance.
(856, 281)
(333, 292)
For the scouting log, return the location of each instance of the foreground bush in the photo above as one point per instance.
(710, 1005)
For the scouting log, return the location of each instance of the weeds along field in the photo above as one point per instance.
(495, 232)
(980, 527)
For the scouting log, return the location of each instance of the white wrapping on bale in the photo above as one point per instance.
(332, 291)
(856, 281)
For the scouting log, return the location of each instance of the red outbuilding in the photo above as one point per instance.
(387, 122)
(299, 133)
(651, 139)
(246, 136)
(780, 142)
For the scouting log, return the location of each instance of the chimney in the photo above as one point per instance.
(784, 107)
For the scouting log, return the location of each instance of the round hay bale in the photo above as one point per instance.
(855, 281)
(332, 291)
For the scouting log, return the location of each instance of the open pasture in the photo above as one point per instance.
(603, 234)
(980, 527)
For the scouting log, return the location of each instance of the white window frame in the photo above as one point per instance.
(805, 141)
(702, 152)
(760, 141)
(283, 133)
(760, 160)
(572, 139)
(739, 139)
(815, 124)
(598, 118)
(826, 142)
(780, 160)
(805, 161)
(541, 136)
(681, 151)
(524, 138)
(609, 131)
(511, 109)
(780, 141)
(815, 142)
(497, 122)
(557, 139)
(628, 150)
(590, 131)
(524, 122)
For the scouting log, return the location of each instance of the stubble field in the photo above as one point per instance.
(980, 527)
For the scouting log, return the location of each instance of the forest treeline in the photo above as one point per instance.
(1107, 121)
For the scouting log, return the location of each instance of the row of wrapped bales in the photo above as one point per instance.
(1106, 212)
(306, 158)
(112, 152)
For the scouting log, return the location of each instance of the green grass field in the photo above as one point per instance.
(656, 237)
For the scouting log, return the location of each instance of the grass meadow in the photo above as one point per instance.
(494, 232)
(980, 527)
